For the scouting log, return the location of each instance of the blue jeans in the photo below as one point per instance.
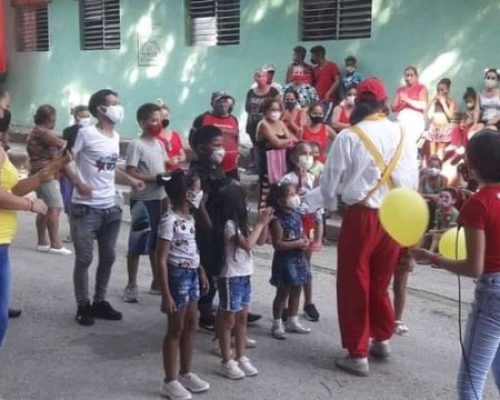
(482, 339)
(4, 289)
(87, 224)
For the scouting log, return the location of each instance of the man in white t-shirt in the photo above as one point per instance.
(95, 214)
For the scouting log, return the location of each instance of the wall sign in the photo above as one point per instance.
(151, 49)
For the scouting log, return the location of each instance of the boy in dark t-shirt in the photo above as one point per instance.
(207, 143)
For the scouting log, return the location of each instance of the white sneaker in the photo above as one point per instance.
(67, 239)
(355, 366)
(249, 344)
(44, 248)
(193, 383)
(296, 327)
(131, 294)
(247, 367)
(231, 370)
(63, 251)
(175, 391)
(380, 348)
(401, 329)
(278, 332)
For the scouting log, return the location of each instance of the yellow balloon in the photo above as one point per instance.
(405, 216)
(452, 244)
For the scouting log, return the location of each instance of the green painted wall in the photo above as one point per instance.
(454, 38)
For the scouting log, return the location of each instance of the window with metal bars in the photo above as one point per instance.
(32, 28)
(100, 24)
(335, 19)
(214, 22)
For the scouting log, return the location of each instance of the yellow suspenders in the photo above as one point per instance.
(385, 170)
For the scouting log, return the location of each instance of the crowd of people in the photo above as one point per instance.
(326, 141)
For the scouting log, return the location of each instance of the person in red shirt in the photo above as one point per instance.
(326, 75)
(342, 112)
(221, 117)
(317, 131)
(480, 219)
(299, 55)
(172, 141)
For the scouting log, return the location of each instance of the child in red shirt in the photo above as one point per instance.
(480, 218)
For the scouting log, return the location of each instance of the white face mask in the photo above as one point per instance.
(490, 83)
(218, 155)
(83, 122)
(306, 162)
(433, 171)
(114, 113)
(274, 115)
(350, 100)
(195, 198)
(293, 202)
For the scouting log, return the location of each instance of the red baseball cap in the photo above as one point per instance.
(372, 89)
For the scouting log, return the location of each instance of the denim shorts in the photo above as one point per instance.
(50, 193)
(145, 216)
(184, 284)
(234, 293)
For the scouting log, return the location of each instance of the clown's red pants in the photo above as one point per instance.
(367, 258)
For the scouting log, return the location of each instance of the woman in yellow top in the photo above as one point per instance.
(11, 192)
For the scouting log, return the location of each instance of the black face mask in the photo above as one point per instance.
(314, 61)
(290, 104)
(219, 110)
(165, 122)
(230, 110)
(316, 119)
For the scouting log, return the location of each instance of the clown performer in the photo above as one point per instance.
(367, 159)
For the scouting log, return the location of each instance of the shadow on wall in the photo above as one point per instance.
(439, 39)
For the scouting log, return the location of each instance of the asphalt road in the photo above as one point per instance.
(47, 356)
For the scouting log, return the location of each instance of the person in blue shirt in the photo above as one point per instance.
(351, 76)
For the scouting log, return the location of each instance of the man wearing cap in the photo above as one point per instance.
(269, 68)
(221, 116)
(365, 162)
(299, 55)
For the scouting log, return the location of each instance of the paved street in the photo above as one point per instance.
(47, 356)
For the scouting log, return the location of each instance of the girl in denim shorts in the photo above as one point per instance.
(480, 219)
(230, 228)
(290, 268)
(180, 276)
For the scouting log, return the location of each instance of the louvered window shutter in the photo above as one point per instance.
(335, 19)
(32, 25)
(100, 24)
(214, 22)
